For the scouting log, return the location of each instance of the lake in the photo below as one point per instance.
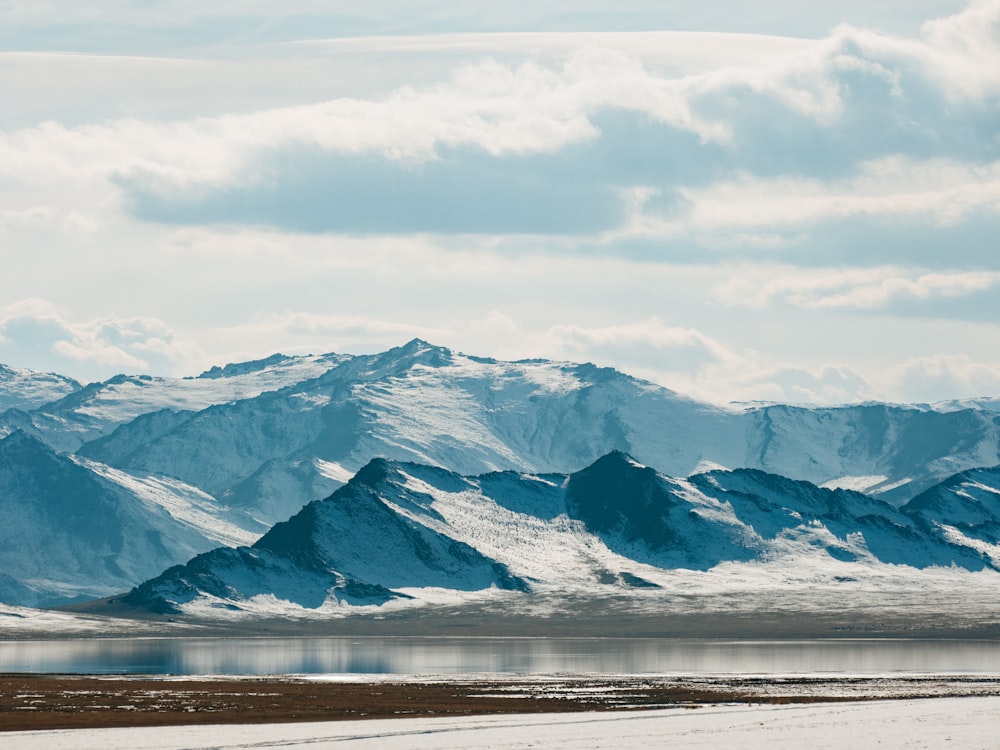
(450, 656)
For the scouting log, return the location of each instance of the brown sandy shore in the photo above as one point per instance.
(35, 702)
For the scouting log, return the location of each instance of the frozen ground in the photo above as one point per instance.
(966, 723)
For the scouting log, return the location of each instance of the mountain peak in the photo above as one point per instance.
(616, 460)
(373, 473)
(419, 348)
(401, 359)
(417, 343)
(616, 491)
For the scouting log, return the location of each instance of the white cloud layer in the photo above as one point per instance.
(932, 192)
(923, 379)
(532, 108)
(860, 289)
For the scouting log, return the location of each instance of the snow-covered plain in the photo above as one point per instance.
(966, 723)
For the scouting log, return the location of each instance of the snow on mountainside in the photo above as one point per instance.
(67, 532)
(893, 451)
(402, 531)
(424, 404)
(351, 548)
(188, 505)
(96, 409)
(851, 526)
(275, 452)
(229, 453)
(965, 509)
(27, 389)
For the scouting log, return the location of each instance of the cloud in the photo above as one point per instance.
(855, 289)
(463, 141)
(923, 379)
(250, 22)
(457, 193)
(965, 50)
(693, 363)
(317, 333)
(37, 219)
(311, 324)
(35, 334)
(941, 193)
(860, 126)
(672, 348)
(495, 325)
(829, 384)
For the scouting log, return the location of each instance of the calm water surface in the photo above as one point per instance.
(426, 656)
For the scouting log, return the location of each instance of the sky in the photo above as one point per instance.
(776, 200)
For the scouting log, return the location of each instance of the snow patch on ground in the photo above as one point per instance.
(558, 550)
(704, 466)
(955, 536)
(977, 486)
(936, 722)
(333, 470)
(858, 484)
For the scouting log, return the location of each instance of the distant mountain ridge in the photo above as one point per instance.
(88, 412)
(239, 448)
(470, 414)
(418, 403)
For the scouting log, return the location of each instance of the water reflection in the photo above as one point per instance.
(379, 655)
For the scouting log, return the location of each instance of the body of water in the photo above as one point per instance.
(450, 656)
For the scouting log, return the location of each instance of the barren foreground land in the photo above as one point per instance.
(31, 702)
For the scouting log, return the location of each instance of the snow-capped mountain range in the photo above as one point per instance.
(398, 530)
(192, 463)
